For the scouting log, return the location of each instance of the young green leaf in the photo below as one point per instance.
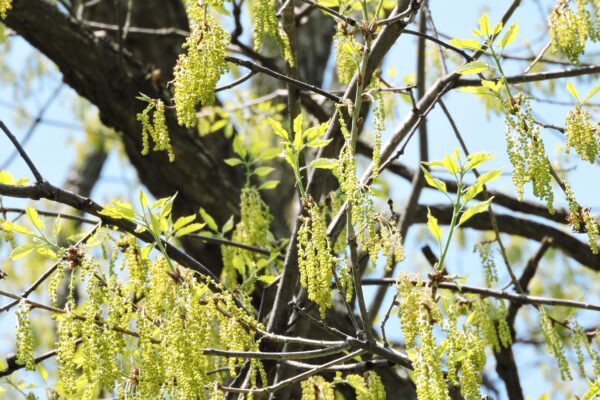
(497, 28)
(434, 182)
(238, 147)
(263, 171)
(450, 164)
(319, 143)
(183, 221)
(210, 221)
(475, 159)
(233, 161)
(484, 25)
(475, 209)
(21, 251)
(227, 226)
(324, 163)
(510, 35)
(432, 224)
(268, 185)
(33, 216)
(573, 90)
(191, 228)
(143, 198)
(493, 86)
(470, 44)
(591, 93)
(473, 67)
(278, 129)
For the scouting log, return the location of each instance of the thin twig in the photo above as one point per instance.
(15, 142)
(500, 294)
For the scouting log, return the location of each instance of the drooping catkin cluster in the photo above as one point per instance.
(315, 258)
(368, 386)
(266, 23)
(486, 257)
(582, 341)
(571, 28)
(582, 134)
(462, 351)
(526, 151)
(200, 67)
(347, 53)
(252, 230)
(378, 128)
(554, 344)
(418, 314)
(155, 129)
(317, 388)
(24, 337)
(176, 316)
(580, 219)
(5, 5)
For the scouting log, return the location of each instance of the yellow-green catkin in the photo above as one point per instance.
(155, 129)
(252, 230)
(526, 151)
(315, 258)
(490, 320)
(68, 333)
(569, 31)
(554, 344)
(347, 53)
(5, 5)
(24, 337)
(487, 262)
(582, 134)
(368, 386)
(317, 388)
(199, 69)
(378, 128)
(266, 23)
(581, 220)
(418, 314)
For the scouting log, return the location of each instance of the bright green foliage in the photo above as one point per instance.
(460, 213)
(315, 258)
(525, 148)
(593, 391)
(157, 129)
(199, 69)
(317, 388)
(253, 230)
(554, 344)
(24, 338)
(5, 5)
(266, 23)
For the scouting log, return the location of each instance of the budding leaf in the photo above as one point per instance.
(475, 209)
(510, 35)
(434, 182)
(473, 67)
(434, 228)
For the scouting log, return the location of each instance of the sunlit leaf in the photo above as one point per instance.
(474, 209)
(263, 171)
(278, 129)
(470, 44)
(434, 182)
(210, 221)
(268, 185)
(434, 228)
(473, 67)
(33, 216)
(572, 90)
(324, 163)
(510, 35)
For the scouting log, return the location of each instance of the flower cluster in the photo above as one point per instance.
(491, 323)
(581, 220)
(5, 5)
(253, 230)
(418, 314)
(526, 151)
(266, 23)
(347, 53)
(157, 129)
(582, 134)
(317, 388)
(569, 32)
(368, 386)
(68, 332)
(554, 344)
(379, 126)
(24, 337)
(581, 339)
(315, 258)
(486, 257)
(199, 69)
